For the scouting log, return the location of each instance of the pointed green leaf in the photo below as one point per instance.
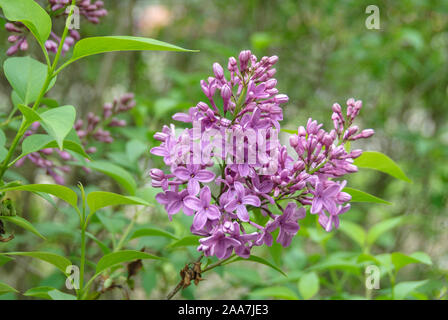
(403, 289)
(377, 230)
(29, 114)
(100, 199)
(37, 142)
(95, 45)
(259, 260)
(56, 260)
(276, 292)
(23, 224)
(309, 285)
(31, 14)
(58, 122)
(59, 295)
(401, 260)
(121, 176)
(152, 232)
(381, 162)
(361, 196)
(354, 231)
(39, 292)
(27, 77)
(4, 288)
(185, 242)
(64, 193)
(112, 259)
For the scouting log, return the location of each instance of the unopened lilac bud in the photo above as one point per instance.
(355, 153)
(271, 83)
(47, 151)
(273, 60)
(367, 133)
(65, 155)
(12, 28)
(117, 123)
(202, 106)
(12, 50)
(337, 108)
(205, 88)
(271, 73)
(218, 71)
(302, 131)
(343, 197)
(13, 38)
(226, 92)
(299, 165)
(156, 174)
(91, 150)
(24, 45)
(281, 98)
(232, 65)
(294, 141)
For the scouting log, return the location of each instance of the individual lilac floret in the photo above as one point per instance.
(244, 99)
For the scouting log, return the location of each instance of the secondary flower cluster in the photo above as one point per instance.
(221, 195)
(95, 128)
(92, 11)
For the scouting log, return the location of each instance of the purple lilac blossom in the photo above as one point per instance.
(245, 98)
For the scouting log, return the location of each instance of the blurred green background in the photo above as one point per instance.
(326, 55)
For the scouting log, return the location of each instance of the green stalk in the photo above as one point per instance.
(50, 75)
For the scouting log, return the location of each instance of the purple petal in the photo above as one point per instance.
(316, 207)
(182, 173)
(193, 187)
(213, 213)
(252, 200)
(199, 220)
(205, 176)
(206, 196)
(193, 203)
(160, 151)
(242, 213)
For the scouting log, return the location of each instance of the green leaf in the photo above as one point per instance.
(381, 162)
(3, 153)
(309, 285)
(401, 260)
(29, 114)
(39, 292)
(64, 193)
(56, 260)
(354, 231)
(100, 199)
(4, 260)
(276, 292)
(259, 260)
(117, 173)
(23, 224)
(31, 14)
(4, 288)
(185, 242)
(361, 196)
(27, 77)
(112, 259)
(2, 138)
(152, 232)
(403, 289)
(105, 249)
(59, 295)
(58, 122)
(377, 230)
(37, 142)
(95, 45)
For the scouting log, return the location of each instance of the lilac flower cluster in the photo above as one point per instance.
(220, 197)
(91, 11)
(95, 128)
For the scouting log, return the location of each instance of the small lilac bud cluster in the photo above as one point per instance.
(248, 101)
(93, 129)
(96, 127)
(91, 11)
